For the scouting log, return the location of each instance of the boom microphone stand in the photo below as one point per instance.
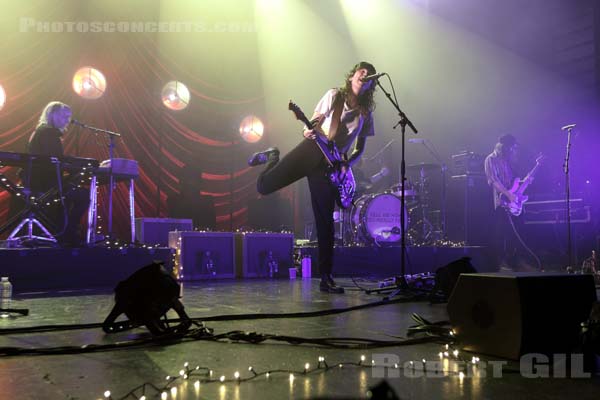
(403, 122)
(569, 129)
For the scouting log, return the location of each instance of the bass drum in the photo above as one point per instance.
(376, 219)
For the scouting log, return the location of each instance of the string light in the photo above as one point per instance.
(321, 367)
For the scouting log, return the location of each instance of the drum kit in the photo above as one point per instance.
(374, 218)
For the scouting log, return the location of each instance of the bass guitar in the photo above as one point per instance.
(518, 189)
(339, 172)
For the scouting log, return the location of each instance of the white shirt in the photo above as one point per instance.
(352, 123)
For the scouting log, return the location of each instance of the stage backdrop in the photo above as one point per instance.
(463, 77)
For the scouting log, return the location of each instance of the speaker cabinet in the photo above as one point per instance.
(469, 211)
(202, 255)
(267, 255)
(154, 231)
(508, 315)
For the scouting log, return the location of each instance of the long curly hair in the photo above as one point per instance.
(49, 110)
(366, 104)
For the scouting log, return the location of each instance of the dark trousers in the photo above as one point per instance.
(306, 160)
(504, 243)
(77, 202)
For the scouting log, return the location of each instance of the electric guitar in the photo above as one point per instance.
(518, 188)
(338, 172)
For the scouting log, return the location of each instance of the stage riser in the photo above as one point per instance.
(74, 269)
(385, 261)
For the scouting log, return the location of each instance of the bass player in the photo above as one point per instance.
(500, 176)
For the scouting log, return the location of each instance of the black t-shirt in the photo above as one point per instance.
(45, 140)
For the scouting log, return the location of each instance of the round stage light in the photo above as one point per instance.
(251, 129)
(89, 83)
(175, 96)
(2, 97)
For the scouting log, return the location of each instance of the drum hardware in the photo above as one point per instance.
(344, 234)
(424, 229)
(442, 168)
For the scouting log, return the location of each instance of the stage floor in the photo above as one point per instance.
(87, 376)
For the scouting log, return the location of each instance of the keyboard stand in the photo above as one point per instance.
(93, 210)
(29, 224)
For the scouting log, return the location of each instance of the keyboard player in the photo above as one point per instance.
(47, 139)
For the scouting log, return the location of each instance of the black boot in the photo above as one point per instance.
(262, 157)
(328, 285)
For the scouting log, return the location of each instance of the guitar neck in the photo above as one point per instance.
(319, 140)
(530, 175)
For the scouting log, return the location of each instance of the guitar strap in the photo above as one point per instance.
(338, 105)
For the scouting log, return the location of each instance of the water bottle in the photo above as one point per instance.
(306, 266)
(5, 295)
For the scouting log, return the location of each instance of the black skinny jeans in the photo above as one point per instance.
(306, 160)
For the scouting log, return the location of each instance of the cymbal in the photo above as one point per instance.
(425, 166)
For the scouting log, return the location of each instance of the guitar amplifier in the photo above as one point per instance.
(154, 231)
(203, 255)
(470, 207)
(468, 162)
(265, 255)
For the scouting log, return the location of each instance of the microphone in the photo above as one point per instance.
(415, 140)
(369, 78)
(567, 127)
(78, 123)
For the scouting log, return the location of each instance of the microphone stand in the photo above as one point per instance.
(111, 149)
(403, 122)
(569, 129)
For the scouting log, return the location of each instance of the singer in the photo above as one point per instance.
(47, 140)
(345, 117)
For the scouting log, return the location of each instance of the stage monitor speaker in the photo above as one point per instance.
(508, 315)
